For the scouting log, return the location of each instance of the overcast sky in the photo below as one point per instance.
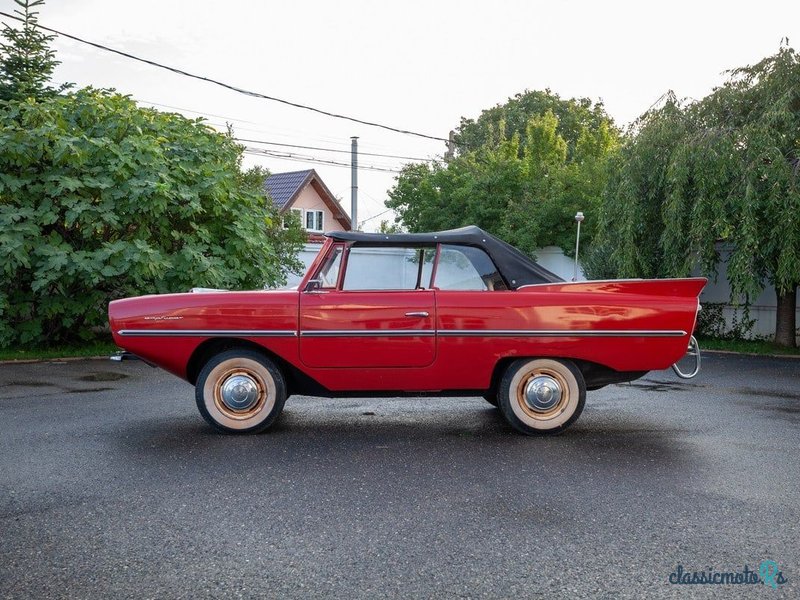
(417, 65)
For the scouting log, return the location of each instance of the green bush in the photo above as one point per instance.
(101, 199)
(711, 323)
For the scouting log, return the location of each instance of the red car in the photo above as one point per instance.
(451, 313)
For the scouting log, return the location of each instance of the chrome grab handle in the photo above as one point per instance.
(692, 350)
(419, 313)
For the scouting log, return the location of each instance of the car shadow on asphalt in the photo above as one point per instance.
(388, 437)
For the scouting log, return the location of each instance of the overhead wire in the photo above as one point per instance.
(261, 151)
(196, 112)
(368, 219)
(229, 118)
(228, 85)
(279, 152)
(379, 203)
(291, 156)
(311, 159)
(251, 141)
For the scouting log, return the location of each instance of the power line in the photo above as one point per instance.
(331, 149)
(380, 214)
(227, 85)
(228, 118)
(222, 126)
(197, 112)
(311, 159)
(300, 146)
(379, 203)
(307, 158)
(293, 134)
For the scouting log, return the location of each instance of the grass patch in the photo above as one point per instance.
(747, 346)
(87, 349)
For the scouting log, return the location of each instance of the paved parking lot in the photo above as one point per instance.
(112, 485)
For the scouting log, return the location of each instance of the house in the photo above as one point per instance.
(304, 194)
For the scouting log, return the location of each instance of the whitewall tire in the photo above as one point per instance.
(240, 391)
(542, 395)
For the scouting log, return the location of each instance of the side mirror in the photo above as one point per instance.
(313, 285)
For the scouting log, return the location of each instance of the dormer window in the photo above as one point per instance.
(314, 220)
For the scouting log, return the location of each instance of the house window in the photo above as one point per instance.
(314, 220)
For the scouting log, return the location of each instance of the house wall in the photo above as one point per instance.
(309, 199)
(305, 256)
(763, 308)
(554, 260)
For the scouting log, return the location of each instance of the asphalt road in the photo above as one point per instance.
(111, 485)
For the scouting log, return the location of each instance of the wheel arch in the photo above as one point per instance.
(296, 381)
(213, 346)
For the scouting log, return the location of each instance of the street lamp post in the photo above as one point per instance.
(579, 219)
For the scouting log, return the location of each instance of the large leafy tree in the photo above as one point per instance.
(630, 221)
(724, 169)
(101, 199)
(26, 59)
(522, 185)
(575, 116)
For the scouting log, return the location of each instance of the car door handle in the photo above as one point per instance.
(419, 313)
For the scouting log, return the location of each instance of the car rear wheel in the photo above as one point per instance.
(541, 396)
(240, 391)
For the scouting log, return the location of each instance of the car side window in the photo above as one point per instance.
(428, 258)
(467, 268)
(386, 268)
(329, 272)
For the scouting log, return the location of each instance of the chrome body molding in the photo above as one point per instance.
(561, 332)
(207, 332)
(403, 333)
(369, 333)
(530, 285)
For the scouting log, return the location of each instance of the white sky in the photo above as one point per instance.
(417, 65)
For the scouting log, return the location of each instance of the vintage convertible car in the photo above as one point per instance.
(450, 313)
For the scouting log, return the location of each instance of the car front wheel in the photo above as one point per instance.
(541, 396)
(240, 391)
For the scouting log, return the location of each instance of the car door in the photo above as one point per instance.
(380, 314)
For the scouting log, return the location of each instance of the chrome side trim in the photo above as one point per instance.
(528, 285)
(207, 332)
(628, 280)
(561, 333)
(403, 333)
(369, 333)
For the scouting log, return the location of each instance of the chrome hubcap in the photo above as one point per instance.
(239, 392)
(542, 393)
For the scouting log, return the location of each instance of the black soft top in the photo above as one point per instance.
(516, 268)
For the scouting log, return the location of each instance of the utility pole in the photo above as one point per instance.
(354, 183)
